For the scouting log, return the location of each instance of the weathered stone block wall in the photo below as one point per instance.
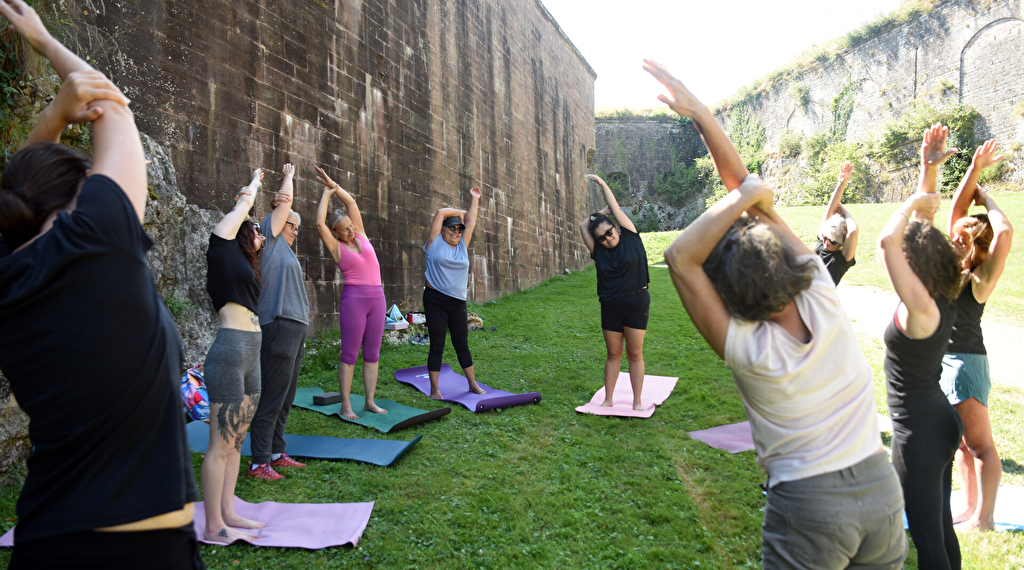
(406, 103)
(643, 148)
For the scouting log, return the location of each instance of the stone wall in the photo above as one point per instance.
(643, 148)
(406, 103)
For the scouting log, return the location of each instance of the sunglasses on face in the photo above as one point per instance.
(606, 235)
(455, 229)
(828, 241)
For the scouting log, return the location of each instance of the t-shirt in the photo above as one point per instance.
(966, 336)
(621, 270)
(94, 359)
(811, 405)
(283, 293)
(361, 268)
(447, 267)
(913, 366)
(229, 275)
(835, 261)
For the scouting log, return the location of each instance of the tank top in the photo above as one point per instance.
(966, 336)
(359, 268)
(913, 366)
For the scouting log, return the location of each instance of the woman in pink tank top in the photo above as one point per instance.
(362, 309)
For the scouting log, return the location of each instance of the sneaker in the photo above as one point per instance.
(286, 461)
(265, 472)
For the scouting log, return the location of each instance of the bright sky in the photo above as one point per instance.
(714, 46)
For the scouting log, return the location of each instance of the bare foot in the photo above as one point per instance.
(974, 525)
(371, 407)
(638, 407)
(606, 404)
(348, 414)
(968, 513)
(475, 388)
(233, 520)
(436, 394)
(228, 535)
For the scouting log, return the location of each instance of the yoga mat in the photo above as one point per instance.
(289, 525)
(381, 452)
(656, 390)
(455, 388)
(735, 438)
(1009, 513)
(398, 416)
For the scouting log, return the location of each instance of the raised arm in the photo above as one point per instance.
(470, 218)
(686, 256)
(613, 206)
(283, 200)
(330, 242)
(439, 216)
(835, 203)
(588, 239)
(986, 275)
(922, 313)
(727, 160)
(227, 228)
(933, 153)
(984, 157)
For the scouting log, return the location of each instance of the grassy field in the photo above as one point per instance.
(541, 486)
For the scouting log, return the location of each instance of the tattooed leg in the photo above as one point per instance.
(227, 507)
(215, 472)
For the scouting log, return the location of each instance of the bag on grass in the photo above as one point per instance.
(193, 394)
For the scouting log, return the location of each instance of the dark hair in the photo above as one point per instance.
(246, 237)
(596, 220)
(976, 234)
(41, 179)
(754, 272)
(933, 259)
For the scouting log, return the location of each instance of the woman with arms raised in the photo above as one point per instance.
(361, 313)
(766, 304)
(622, 280)
(110, 481)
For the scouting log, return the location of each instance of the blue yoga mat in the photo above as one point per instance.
(381, 452)
(1009, 512)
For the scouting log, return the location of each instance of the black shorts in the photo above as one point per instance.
(626, 311)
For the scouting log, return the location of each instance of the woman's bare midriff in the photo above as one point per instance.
(235, 316)
(173, 519)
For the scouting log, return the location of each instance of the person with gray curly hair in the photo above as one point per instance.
(767, 306)
(837, 238)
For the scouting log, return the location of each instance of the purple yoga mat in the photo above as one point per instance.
(733, 438)
(455, 388)
(289, 525)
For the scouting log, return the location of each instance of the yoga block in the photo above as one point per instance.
(326, 399)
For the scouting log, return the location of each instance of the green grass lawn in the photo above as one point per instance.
(541, 486)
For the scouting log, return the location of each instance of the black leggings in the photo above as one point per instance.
(444, 314)
(164, 549)
(922, 453)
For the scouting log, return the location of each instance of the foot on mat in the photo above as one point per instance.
(228, 535)
(266, 472)
(286, 461)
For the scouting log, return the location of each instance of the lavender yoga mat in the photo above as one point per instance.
(655, 391)
(735, 438)
(289, 525)
(455, 388)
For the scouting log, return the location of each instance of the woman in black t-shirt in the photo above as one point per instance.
(622, 288)
(77, 298)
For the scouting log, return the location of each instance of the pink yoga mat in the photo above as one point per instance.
(289, 525)
(656, 390)
(735, 438)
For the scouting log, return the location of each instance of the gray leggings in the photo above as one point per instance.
(232, 369)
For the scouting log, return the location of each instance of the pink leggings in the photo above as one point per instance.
(361, 318)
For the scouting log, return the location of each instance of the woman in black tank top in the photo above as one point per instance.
(924, 271)
(983, 243)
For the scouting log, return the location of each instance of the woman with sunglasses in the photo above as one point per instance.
(447, 281)
(362, 310)
(837, 240)
(983, 243)
(110, 481)
(767, 306)
(622, 280)
(232, 368)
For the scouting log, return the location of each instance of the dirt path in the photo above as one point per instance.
(870, 310)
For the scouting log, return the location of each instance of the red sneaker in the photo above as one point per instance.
(286, 461)
(265, 472)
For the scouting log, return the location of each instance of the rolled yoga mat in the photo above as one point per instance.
(381, 452)
(655, 391)
(289, 525)
(735, 438)
(398, 416)
(455, 388)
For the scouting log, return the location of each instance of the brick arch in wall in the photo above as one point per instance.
(989, 76)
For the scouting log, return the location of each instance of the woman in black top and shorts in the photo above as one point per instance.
(622, 288)
(110, 481)
(232, 369)
(925, 272)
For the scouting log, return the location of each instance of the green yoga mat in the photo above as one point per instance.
(398, 416)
